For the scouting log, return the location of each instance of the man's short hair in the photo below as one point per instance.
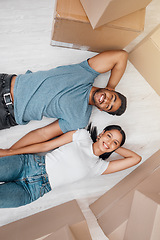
(123, 106)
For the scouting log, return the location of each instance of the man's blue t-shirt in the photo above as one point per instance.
(61, 93)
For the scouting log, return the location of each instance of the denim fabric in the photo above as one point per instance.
(24, 180)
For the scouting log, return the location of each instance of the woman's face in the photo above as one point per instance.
(109, 141)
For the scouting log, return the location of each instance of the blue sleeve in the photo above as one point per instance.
(65, 126)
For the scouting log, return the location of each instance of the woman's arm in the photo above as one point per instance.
(39, 147)
(130, 159)
(39, 135)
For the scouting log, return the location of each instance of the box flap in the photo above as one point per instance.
(43, 223)
(73, 10)
(155, 37)
(62, 234)
(134, 21)
(141, 219)
(146, 58)
(105, 11)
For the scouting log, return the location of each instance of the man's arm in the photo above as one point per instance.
(39, 135)
(115, 60)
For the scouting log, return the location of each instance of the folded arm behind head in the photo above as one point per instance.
(129, 159)
(114, 60)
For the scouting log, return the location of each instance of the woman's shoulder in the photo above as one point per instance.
(81, 134)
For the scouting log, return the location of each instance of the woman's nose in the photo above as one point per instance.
(109, 142)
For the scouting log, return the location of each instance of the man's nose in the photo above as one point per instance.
(107, 100)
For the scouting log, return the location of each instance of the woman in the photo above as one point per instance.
(26, 177)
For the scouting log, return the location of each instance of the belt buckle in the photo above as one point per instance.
(7, 98)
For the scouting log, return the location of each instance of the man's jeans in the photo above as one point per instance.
(24, 179)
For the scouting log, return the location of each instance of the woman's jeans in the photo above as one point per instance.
(24, 179)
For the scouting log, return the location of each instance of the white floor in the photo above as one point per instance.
(25, 31)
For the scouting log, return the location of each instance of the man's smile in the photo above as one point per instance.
(102, 97)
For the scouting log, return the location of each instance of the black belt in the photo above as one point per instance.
(7, 118)
(6, 95)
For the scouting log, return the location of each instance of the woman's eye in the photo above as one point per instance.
(115, 143)
(109, 135)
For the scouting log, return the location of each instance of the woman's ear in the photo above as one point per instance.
(101, 133)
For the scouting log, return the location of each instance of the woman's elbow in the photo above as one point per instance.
(138, 159)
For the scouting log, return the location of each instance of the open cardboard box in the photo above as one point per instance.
(146, 58)
(63, 233)
(71, 28)
(47, 222)
(112, 210)
(101, 12)
(144, 219)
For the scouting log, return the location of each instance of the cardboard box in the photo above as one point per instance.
(101, 12)
(44, 223)
(72, 29)
(146, 58)
(113, 208)
(62, 234)
(144, 218)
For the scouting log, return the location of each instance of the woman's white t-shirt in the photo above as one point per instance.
(74, 161)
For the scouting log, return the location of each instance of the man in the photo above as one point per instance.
(65, 93)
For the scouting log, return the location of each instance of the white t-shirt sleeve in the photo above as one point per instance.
(102, 165)
(81, 134)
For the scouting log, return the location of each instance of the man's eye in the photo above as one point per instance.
(109, 135)
(115, 143)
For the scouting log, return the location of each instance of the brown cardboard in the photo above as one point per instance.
(118, 233)
(144, 218)
(146, 58)
(71, 28)
(62, 234)
(44, 223)
(101, 12)
(113, 208)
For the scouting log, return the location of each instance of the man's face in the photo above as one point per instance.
(106, 100)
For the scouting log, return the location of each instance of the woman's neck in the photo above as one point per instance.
(96, 150)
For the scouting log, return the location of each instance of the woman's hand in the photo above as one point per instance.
(4, 152)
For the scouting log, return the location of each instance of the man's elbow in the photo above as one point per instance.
(124, 54)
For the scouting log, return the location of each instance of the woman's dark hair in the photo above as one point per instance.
(93, 132)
